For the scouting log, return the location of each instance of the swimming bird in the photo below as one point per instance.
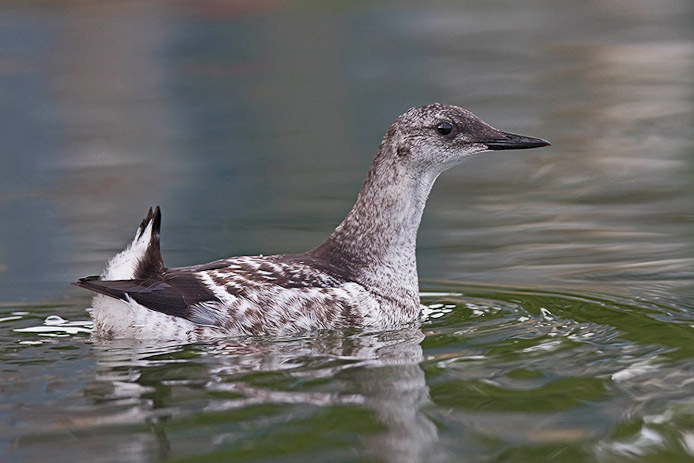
(363, 275)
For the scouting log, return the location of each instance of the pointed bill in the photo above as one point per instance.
(512, 141)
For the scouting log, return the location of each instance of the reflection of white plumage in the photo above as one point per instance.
(364, 274)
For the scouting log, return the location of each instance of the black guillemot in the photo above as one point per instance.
(363, 275)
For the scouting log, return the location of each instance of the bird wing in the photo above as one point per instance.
(171, 294)
(247, 291)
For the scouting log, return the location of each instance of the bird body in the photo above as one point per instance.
(363, 275)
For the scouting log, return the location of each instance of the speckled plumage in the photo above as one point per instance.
(364, 274)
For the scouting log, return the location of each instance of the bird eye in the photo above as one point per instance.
(444, 128)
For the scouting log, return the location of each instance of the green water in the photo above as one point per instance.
(558, 283)
(493, 374)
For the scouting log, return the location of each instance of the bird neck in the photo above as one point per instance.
(375, 243)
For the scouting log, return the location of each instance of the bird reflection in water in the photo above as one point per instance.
(163, 384)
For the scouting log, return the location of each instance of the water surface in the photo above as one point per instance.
(559, 283)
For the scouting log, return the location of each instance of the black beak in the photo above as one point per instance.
(511, 141)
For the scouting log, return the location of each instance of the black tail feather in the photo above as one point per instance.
(151, 264)
(154, 216)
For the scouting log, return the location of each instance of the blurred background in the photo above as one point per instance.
(252, 124)
(558, 283)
